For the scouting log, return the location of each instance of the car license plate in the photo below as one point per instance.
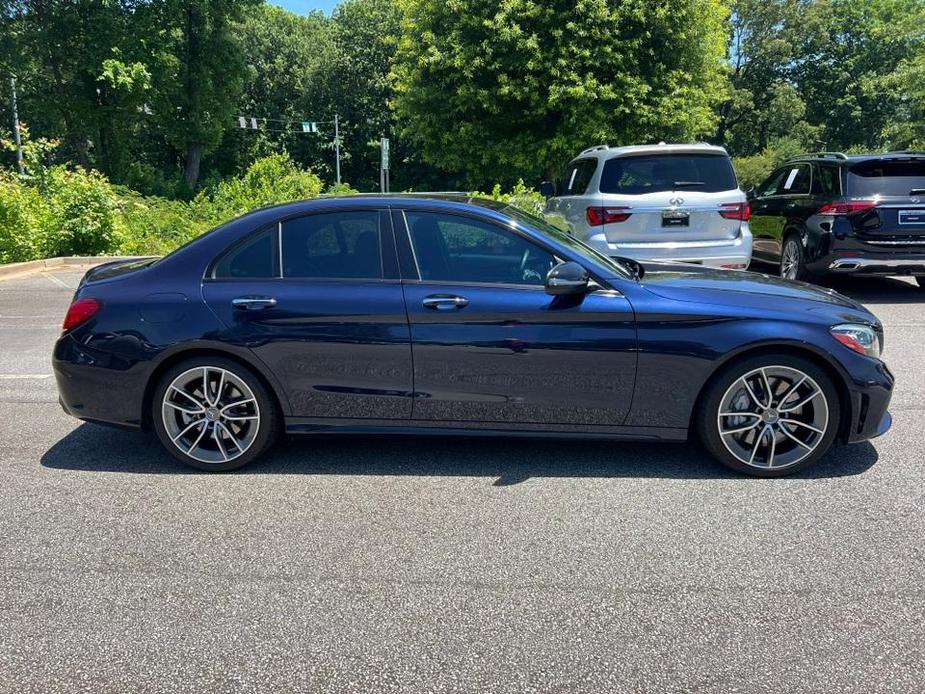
(675, 218)
(912, 216)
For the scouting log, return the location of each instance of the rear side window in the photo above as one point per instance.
(886, 177)
(333, 245)
(659, 173)
(825, 181)
(578, 176)
(255, 258)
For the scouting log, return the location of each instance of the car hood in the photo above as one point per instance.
(682, 282)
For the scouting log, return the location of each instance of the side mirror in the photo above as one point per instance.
(547, 189)
(567, 278)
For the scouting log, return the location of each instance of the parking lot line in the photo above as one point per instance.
(17, 377)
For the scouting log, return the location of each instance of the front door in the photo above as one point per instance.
(490, 345)
(317, 298)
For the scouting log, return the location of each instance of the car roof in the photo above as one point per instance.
(839, 157)
(607, 152)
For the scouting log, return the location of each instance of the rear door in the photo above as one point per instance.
(318, 299)
(899, 185)
(671, 197)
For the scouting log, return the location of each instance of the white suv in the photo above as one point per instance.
(655, 202)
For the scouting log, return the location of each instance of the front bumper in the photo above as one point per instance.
(870, 402)
(735, 252)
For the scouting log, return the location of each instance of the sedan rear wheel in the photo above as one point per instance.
(213, 414)
(770, 416)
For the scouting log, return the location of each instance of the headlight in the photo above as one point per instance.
(860, 338)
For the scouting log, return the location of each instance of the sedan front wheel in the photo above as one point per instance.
(770, 416)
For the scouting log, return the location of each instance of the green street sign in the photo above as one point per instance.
(309, 127)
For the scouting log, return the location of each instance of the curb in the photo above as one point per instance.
(12, 270)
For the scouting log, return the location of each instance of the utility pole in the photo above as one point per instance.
(337, 145)
(16, 137)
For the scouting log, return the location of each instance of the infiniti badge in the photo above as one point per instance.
(676, 201)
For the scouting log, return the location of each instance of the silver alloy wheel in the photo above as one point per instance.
(773, 417)
(210, 414)
(790, 260)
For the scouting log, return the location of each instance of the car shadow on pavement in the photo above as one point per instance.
(92, 448)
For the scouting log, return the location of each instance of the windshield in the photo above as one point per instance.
(659, 173)
(621, 269)
(886, 177)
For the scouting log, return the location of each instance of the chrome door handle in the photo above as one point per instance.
(253, 303)
(445, 302)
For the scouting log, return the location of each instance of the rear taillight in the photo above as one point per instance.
(848, 208)
(80, 312)
(606, 215)
(736, 210)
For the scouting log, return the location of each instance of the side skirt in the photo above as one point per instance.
(298, 425)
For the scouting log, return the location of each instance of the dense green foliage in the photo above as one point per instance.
(133, 142)
(519, 87)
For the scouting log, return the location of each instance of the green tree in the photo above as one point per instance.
(352, 80)
(513, 89)
(845, 76)
(769, 38)
(282, 55)
(198, 75)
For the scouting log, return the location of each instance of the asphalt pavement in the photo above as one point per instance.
(449, 565)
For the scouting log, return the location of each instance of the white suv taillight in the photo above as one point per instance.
(736, 210)
(597, 216)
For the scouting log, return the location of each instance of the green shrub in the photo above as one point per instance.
(57, 211)
(82, 213)
(268, 181)
(520, 196)
(22, 218)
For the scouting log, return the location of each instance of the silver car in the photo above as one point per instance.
(655, 202)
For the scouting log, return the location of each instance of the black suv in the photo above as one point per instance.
(830, 212)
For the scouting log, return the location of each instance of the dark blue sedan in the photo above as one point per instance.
(437, 314)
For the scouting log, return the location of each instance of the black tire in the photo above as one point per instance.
(793, 267)
(707, 416)
(268, 425)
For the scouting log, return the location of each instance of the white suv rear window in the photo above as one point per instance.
(658, 173)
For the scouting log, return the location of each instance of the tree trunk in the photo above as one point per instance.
(193, 158)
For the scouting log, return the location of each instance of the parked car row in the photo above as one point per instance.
(816, 214)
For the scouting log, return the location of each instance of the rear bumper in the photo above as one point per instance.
(863, 265)
(720, 253)
(96, 387)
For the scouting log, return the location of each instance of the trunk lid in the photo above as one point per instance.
(115, 268)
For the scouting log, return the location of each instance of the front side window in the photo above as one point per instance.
(797, 181)
(255, 258)
(773, 183)
(333, 245)
(659, 173)
(451, 248)
(578, 176)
